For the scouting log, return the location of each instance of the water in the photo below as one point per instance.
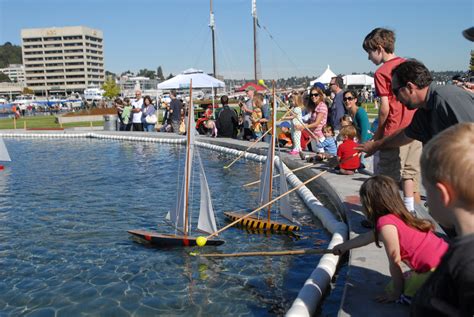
(65, 207)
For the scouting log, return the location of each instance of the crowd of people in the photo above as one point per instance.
(423, 135)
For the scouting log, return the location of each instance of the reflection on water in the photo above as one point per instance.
(65, 206)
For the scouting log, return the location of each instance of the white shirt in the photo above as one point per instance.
(137, 116)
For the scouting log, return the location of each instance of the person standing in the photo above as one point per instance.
(227, 120)
(175, 111)
(337, 109)
(247, 110)
(401, 164)
(137, 113)
(148, 110)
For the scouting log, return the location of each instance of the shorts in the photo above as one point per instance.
(402, 163)
(412, 282)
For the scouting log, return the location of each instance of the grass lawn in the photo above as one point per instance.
(42, 122)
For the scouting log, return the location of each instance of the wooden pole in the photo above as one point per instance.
(267, 204)
(264, 253)
(251, 146)
(91, 124)
(14, 123)
(24, 125)
(274, 176)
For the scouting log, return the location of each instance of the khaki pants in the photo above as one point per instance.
(402, 163)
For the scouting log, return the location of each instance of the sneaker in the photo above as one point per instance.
(303, 156)
(294, 152)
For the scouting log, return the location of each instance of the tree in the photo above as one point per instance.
(159, 73)
(9, 54)
(170, 76)
(111, 88)
(27, 91)
(147, 73)
(107, 74)
(4, 78)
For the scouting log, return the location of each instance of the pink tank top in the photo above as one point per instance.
(421, 251)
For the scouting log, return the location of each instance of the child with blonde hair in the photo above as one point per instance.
(296, 118)
(406, 238)
(447, 170)
(346, 152)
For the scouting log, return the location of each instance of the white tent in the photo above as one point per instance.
(359, 80)
(200, 80)
(325, 78)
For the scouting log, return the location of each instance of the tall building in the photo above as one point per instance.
(16, 72)
(63, 59)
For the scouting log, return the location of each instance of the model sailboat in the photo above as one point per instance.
(266, 190)
(179, 215)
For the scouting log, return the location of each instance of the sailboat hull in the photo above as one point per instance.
(262, 224)
(170, 240)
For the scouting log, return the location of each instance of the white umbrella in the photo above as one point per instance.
(200, 80)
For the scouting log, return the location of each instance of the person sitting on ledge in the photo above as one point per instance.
(349, 162)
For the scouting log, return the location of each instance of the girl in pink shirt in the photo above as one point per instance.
(406, 238)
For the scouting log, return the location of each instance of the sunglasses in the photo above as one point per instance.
(348, 98)
(314, 95)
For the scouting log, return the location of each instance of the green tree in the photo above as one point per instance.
(27, 91)
(4, 78)
(471, 67)
(147, 73)
(111, 88)
(10, 54)
(159, 73)
(170, 76)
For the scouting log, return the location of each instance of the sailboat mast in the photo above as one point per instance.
(272, 152)
(212, 26)
(188, 161)
(254, 15)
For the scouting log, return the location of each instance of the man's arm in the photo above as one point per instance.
(397, 139)
(382, 117)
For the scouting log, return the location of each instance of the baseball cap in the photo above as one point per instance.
(284, 124)
(319, 85)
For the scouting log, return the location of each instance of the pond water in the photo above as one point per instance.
(66, 206)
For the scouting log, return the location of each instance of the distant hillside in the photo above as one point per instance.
(10, 54)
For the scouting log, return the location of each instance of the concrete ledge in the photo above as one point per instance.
(63, 119)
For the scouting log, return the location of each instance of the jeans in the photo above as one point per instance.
(149, 127)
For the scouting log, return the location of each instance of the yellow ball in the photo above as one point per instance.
(261, 82)
(201, 241)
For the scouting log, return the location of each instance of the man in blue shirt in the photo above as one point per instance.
(337, 110)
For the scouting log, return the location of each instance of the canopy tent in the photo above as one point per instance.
(257, 87)
(325, 77)
(358, 80)
(200, 80)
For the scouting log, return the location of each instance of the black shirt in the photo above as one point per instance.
(227, 123)
(176, 105)
(445, 107)
(451, 285)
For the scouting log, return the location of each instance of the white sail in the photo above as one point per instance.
(178, 214)
(207, 220)
(265, 179)
(4, 156)
(285, 208)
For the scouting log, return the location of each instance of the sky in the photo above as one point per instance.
(296, 38)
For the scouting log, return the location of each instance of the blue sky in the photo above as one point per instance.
(307, 34)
